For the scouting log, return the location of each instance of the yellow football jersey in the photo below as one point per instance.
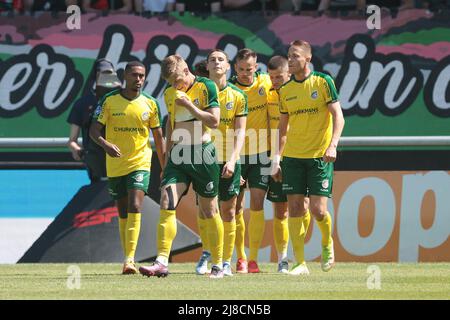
(202, 93)
(256, 140)
(233, 103)
(310, 121)
(127, 126)
(273, 109)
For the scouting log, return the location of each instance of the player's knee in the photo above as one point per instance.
(228, 215)
(281, 213)
(296, 209)
(167, 200)
(257, 202)
(135, 206)
(318, 210)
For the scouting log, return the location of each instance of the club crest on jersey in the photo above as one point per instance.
(145, 116)
(261, 91)
(314, 95)
(196, 102)
(229, 105)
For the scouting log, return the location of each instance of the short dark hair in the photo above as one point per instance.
(245, 53)
(304, 45)
(200, 69)
(217, 50)
(277, 62)
(132, 64)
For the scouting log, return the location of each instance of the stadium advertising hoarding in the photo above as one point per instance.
(377, 216)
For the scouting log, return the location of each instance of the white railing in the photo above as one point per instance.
(381, 141)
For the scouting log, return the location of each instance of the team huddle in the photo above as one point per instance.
(275, 134)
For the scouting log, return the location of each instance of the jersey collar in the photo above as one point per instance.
(301, 81)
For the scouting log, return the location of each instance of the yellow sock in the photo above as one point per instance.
(240, 236)
(132, 234)
(281, 236)
(203, 232)
(325, 229)
(306, 221)
(297, 235)
(122, 233)
(215, 235)
(167, 230)
(229, 237)
(256, 228)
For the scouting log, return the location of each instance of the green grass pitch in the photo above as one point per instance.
(345, 281)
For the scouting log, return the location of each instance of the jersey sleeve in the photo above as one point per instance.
(267, 83)
(281, 105)
(101, 113)
(155, 118)
(212, 100)
(329, 88)
(168, 100)
(242, 105)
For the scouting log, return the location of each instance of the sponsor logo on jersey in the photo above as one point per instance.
(118, 114)
(307, 110)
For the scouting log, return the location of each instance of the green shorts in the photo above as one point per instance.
(118, 186)
(230, 187)
(196, 164)
(255, 170)
(307, 176)
(275, 192)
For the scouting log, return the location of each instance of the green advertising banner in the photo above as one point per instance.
(393, 81)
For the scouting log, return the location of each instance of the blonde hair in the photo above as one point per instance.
(172, 65)
(304, 45)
